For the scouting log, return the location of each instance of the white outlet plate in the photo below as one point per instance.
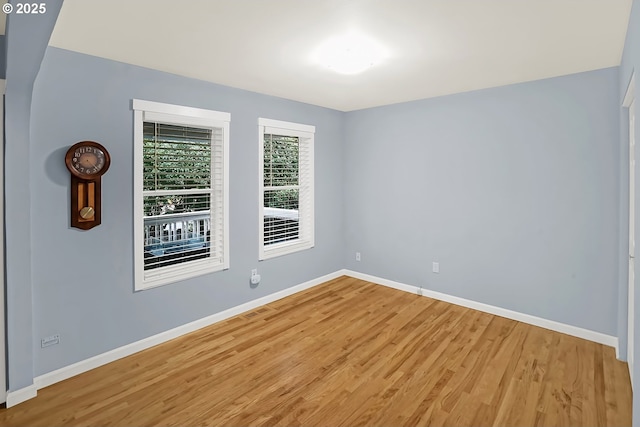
(49, 341)
(358, 256)
(436, 267)
(254, 271)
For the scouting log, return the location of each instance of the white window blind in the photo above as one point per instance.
(182, 199)
(286, 188)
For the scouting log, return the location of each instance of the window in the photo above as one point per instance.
(181, 209)
(286, 187)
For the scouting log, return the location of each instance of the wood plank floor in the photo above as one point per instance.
(348, 353)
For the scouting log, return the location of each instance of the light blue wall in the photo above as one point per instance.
(27, 38)
(630, 62)
(83, 280)
(513, 190)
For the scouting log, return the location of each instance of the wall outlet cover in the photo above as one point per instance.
(49, 341)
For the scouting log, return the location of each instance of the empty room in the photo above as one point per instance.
(319, 213)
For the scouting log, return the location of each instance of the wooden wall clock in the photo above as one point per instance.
(87, 161)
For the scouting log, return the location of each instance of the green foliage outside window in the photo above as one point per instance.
(281, 166)
(176, 158)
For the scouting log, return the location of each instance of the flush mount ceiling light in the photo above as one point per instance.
(351, 53)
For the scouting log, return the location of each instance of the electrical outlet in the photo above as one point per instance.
(357, 256)
(49, 341)
(255, 277)
(436, 267)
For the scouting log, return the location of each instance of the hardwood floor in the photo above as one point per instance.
(348, 353)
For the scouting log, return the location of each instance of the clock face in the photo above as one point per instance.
(87, 160)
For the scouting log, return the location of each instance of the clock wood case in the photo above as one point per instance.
(87, 161)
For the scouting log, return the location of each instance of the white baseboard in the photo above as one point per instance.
(129, 349)
(575, 331)
(19, 396)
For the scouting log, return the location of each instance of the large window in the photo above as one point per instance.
(180, 192)
(286, 187)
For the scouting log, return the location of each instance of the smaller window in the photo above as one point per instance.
(286, 187)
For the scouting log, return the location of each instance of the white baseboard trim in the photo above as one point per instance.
(129, 349)
(19, 396)
(575, 331)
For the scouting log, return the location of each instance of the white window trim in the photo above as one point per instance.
(178, 115)
(290, 129)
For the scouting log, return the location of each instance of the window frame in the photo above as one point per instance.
(182, 116)
(306, 135)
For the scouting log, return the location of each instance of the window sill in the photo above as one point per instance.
(280, 249)
(167, 275)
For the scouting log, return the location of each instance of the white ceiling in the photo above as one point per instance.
(436, 47)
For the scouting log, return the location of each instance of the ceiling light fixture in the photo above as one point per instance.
(351, 53)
